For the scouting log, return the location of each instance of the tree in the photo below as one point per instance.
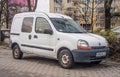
(29, 5)
(108, 15)
(35, 5)
(117, 13)
(2, 3)
(86, 14)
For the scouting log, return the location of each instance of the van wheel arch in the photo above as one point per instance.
(62, 48)
(65, 58)
(14, 45)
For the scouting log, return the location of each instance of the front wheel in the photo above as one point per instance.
(65, 59)
(17, 54)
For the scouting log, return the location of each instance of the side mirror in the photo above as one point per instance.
(48, 31)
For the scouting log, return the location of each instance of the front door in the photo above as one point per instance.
(43, 43)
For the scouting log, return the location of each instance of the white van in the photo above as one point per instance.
(57, 37)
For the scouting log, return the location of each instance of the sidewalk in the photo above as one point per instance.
(33, 66)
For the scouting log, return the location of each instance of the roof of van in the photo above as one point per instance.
(50, 15)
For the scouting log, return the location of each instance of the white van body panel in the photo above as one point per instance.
(16, 26)
(44, 40)
(92, 39)
(53, 15)
(16, 29)
(66, 40)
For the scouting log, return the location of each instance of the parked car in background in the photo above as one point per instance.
(6, 32)
(117, 31)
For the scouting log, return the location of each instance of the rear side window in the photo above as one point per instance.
(41, 25)
(27, 24)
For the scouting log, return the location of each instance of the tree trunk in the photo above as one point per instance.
(1, 9)
(7, 13)
(92, 17)
(107, 5)
(29, 5)
(36, 1)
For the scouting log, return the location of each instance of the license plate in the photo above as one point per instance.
(100, 54)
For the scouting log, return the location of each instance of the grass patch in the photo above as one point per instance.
(4, 44)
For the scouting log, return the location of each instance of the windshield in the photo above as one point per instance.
(67, 25)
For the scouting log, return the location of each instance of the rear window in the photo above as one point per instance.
(27, 24)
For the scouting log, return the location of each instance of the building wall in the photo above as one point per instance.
(98, 16)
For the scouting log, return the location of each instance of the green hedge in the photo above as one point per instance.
(114, 43)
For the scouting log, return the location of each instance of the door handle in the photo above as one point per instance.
(35, 36)
(30, 37)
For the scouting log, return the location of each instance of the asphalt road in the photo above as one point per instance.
(34, 66)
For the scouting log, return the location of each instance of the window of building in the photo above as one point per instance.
(100, 10)
(69, 9)
(98, 25)
(100, 17)
(113, 9)
(85, 9)
(76, 12)
(27, 24)
(86, 17)
(85, 1)
(76, 3)
(113, 24)
(69, 1)
(41, 25)
(57, 9)
(99, 1)
(86, 26)
(58, 1)
(114, 18)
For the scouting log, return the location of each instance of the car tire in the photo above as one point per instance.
(65, 59)
(17, 54)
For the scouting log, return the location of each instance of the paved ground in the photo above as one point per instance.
(33, 66)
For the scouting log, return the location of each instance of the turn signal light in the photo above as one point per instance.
(83, 48)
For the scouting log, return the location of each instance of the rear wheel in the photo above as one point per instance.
(65, 59)
(17, 54)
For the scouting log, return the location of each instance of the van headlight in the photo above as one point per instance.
(83, 45)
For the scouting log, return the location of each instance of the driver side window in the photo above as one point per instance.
(41, 25)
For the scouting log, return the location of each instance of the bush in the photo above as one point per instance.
(114, 43)
(98, 30)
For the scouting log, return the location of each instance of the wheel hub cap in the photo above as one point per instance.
(16, 52)
(65, 59)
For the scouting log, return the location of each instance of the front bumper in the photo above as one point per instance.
(89, 55)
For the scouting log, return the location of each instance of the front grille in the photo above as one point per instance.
(96, 58)
(98, 47)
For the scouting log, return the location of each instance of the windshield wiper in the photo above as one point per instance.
(75, 32)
